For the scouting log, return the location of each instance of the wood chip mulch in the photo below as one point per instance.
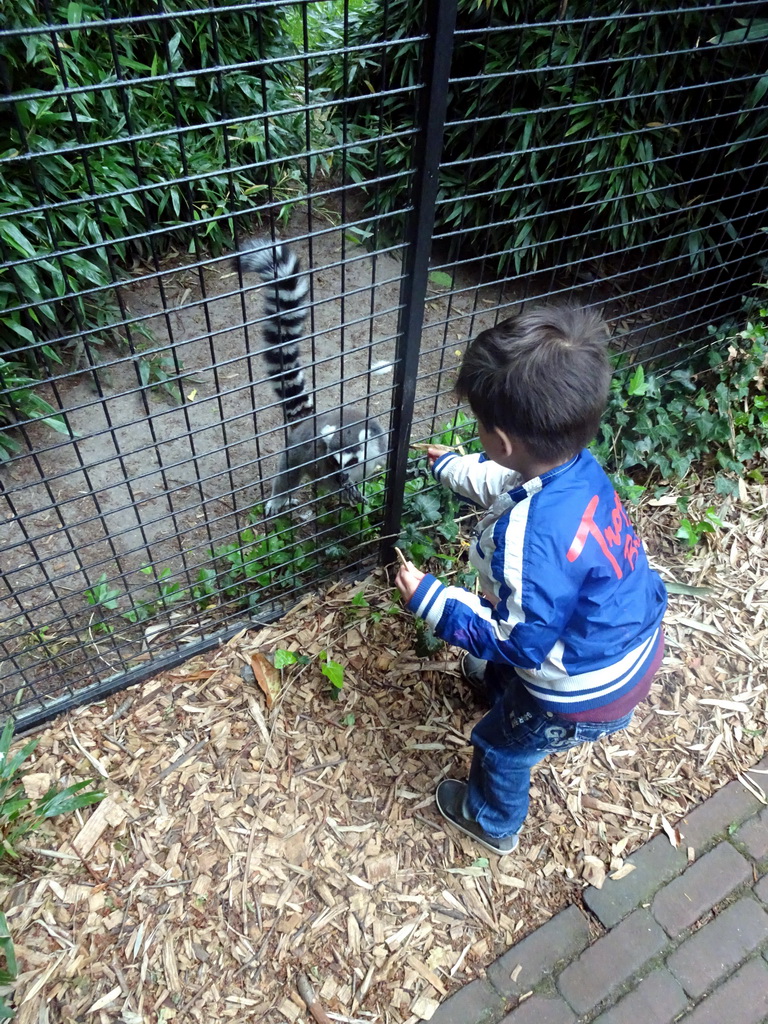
(242, 846)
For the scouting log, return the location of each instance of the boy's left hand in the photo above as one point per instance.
(408, 580)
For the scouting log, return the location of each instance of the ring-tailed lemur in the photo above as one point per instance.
(342, 447)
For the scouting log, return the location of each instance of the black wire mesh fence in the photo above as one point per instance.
(432, 164)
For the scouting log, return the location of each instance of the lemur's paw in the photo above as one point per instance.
(350, 494)
(280, 504)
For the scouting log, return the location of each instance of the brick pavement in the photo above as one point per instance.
(676, 940)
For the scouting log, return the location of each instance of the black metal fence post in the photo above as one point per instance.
(440, 27)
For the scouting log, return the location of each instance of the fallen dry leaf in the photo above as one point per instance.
(593, 871)
(36, 784)
(623, 871)
(672, 833)
(267, 676)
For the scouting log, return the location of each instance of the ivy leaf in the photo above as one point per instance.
(283, 659)
(637, 385)
(334, 672)
(427, 506)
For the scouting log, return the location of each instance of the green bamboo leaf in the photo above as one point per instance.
(688, 589)
(6, 945)
(15, 238)
(64, 801)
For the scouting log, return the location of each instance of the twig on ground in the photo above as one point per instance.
(307, 993)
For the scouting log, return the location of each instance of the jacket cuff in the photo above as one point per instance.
(440, 463)
(428, 600)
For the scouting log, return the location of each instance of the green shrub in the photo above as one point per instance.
(711, 418)
(18, 401)
(110, 163)
(555, 128)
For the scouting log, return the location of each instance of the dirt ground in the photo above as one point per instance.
(242, 845)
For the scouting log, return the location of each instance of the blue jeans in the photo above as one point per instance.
(514, 736)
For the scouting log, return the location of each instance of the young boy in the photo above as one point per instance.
(569, 621)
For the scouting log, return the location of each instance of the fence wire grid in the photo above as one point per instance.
(434, 164)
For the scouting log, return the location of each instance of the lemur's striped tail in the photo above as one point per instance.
(285, 306)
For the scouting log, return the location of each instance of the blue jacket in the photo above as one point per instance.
(567, 595)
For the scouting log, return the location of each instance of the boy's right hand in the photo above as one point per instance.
(433, 454)
(407, 580)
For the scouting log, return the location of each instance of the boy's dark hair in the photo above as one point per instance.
(542, 377)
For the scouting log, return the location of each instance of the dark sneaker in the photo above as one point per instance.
(472, 671)
(450, 802)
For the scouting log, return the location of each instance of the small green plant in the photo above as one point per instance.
(361, 606)
(430, 512)
(141, 611)
(102, 596)
(143, 608)
(169, 594)
(160, 372)
(9, 973)
(204, 590)
(440, 279)
(426, 643)
(19, 815)
(257, 561)
(282, 659)
(333, 672)
(692, 532)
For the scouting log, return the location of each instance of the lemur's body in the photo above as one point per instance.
(342, 447)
